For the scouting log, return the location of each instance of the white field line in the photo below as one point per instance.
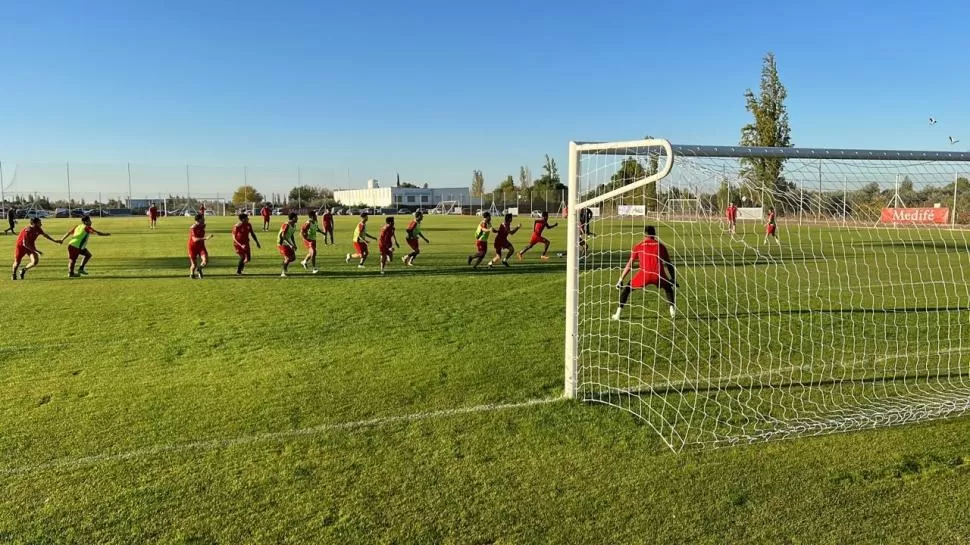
(71, 463)
(881, 285)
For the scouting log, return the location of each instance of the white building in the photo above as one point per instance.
(401, 197)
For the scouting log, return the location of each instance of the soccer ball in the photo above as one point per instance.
(560, 254)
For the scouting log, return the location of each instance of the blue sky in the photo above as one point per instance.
(434, 90)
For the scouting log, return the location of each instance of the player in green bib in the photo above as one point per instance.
(77, 245)
(481, 240)
(309, 233)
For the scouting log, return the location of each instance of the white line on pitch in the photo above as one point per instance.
(212, 444)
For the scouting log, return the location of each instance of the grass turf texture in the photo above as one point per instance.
(142, 406)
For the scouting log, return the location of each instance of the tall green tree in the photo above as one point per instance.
(245, 194)
(525, 178)
(304, 193)
(507, 186)
(769, 128)
(478, 183)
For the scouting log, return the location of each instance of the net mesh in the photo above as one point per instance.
(854, 316)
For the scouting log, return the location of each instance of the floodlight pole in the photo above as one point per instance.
(129, 185)
(70, 204)
(956, 182)
(3, 199)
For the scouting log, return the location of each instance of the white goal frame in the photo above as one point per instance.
(669, 154)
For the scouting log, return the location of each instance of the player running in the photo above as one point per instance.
(481, 239)
(286, 242)
(266, 212)
(540, 225)
(309, 233)
(11, 221)
(241, 233)
(152, 215)
(413, 238)
(198, 254)
(327, 226)
(27, 246)
(384, 242)
(771, 227)
(732, 218)
(78, 245)
(653, 258)
(502, 234)
(360, 242)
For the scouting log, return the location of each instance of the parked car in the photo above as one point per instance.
(353, 212)
(536, 214)
(36, 213)
(403, 212)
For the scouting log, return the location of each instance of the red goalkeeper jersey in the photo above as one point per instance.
(651, 255)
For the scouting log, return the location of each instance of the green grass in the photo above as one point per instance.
(140, 406)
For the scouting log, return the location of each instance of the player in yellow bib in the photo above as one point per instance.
(78, 245)
(360, 242)
(481, 240)
(309, 233)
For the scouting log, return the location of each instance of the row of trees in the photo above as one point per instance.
(303, 196)
(550, 181)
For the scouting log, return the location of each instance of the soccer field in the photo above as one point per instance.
(423, 406)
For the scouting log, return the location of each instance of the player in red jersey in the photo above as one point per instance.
(384, 240)
(198, 254)
(152, 215)
(241, 233)
(771, 227)
(732, 218)
(653, 259)
(414, 237)
(481, 240)
(502, 234)
(27, 246)
(327, 226)
(360, 242)
(202, 209)
(286, 241)
(540, 225)
(266, 212)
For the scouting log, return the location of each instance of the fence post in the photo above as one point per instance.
(956, 182)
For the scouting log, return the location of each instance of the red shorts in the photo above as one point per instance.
(265, 219)
(499, 246)
(360, 248)
(385, 250)
(327, 228)
(21, 252)
(414, 243)
(645, 278)
(244, 252)
(770, 229)
(537, 239)
(287, 252)
(198, 250)
(73, 252)
(310, 245)
(481, 246)
(153, 217)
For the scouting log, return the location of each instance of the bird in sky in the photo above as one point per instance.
(952, 140)
(932, 121)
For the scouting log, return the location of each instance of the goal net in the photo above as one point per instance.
(447, 207)
(852, 313)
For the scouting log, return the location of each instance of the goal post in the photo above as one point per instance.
(839, 312)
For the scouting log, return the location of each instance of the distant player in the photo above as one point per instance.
(152, 215)
(198, 254)
(202, 209)
(241, 233)
(78, 245)
(11, 221)
(360, 242)
(583, 246)
(732, 218)
(384, 241)
(585, 217)
(771, 227)
(286, 242)
(327, 226)
(27, 246)
(266, 212)
(540, 225)
(653, 258)
(481, 239)
(502, 234)
(309, 234)
(414, 237)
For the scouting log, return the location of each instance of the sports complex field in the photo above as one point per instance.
(423, 406)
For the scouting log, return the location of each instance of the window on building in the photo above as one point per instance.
(410, 198)
(424, 198)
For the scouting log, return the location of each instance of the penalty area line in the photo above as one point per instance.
(213, 444)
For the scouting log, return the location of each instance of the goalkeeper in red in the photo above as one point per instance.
(540, 225)
(771, 227)
(27, 246)
(653, 259)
